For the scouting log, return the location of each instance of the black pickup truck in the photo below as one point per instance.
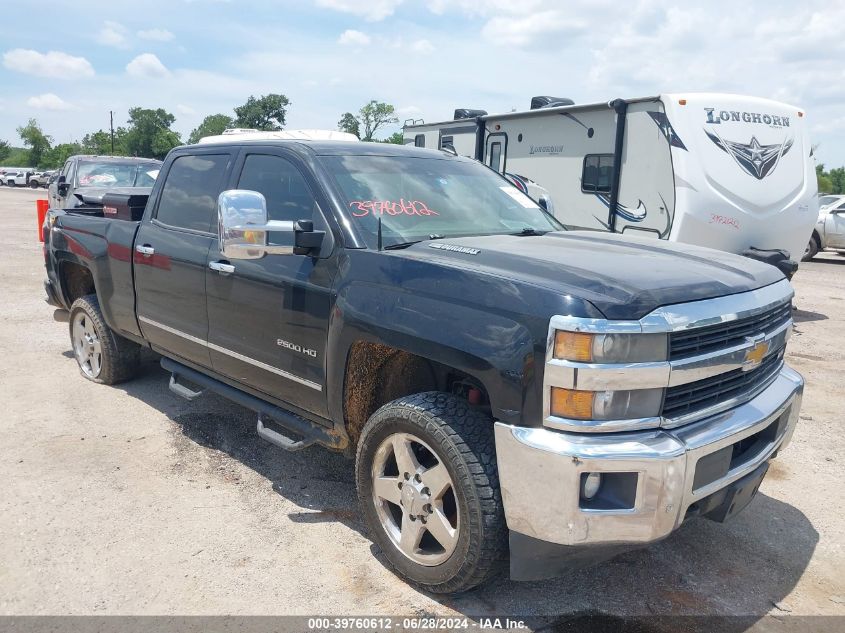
(508, 389)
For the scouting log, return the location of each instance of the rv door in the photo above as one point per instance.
(495, 151)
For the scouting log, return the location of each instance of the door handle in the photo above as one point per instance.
(146, 250)
(222, 267)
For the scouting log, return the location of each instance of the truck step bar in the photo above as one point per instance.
(282, 441)
(310, 432)
(181, 390)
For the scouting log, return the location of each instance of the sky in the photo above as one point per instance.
(78, 60)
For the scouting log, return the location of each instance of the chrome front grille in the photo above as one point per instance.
(736, 385)
(712, 338)
(712, 345)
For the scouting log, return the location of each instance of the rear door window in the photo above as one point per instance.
(189, 196)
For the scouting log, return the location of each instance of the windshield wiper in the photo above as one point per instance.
(529, 230)
(400, 245)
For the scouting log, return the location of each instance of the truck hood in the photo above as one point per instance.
(623, 277)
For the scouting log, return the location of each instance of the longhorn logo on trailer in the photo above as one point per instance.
(724, 116)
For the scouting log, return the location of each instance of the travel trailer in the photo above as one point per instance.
(726, 171)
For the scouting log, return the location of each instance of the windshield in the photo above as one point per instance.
(111, 174)
(423, 198)
(826, 200)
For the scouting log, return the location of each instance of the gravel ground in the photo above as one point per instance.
(129, 500)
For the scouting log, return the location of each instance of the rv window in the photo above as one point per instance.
(495, 155)
(597, 173)
(446, 141)
(419, 140)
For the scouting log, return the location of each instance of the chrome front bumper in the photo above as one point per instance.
(540, 469)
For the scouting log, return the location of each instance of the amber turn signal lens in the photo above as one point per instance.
(570, 403)
(574, 346)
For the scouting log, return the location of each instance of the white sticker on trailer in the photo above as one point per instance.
(520, 197)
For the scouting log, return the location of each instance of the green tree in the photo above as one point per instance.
(99, 142)
(5, 150)
(825, 185)
(837, 179)
(211, 125)
(149, 134)
(396, 138)
(375, 115)
(348, 123)
(34, 139)
(56, 156)
(265, 113)
(17, 156)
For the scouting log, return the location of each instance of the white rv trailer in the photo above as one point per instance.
(726, 171)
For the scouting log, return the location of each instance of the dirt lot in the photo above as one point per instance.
(129, 500)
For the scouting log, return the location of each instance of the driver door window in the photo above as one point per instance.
(283, 187)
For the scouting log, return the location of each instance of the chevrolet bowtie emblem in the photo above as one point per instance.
(754, 356)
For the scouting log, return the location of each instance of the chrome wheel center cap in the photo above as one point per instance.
(414, 500)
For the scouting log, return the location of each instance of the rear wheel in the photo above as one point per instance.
(812, 248)
(428, 487)
(102, 356)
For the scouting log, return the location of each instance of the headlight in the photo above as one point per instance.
(606, 405)
(610, 348)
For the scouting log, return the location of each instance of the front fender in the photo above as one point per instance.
(494, 349)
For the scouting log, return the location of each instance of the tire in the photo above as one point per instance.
(812, 248)
(103, 356)
(447, 437)
(33, 185)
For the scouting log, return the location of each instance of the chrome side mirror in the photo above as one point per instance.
(244, 230)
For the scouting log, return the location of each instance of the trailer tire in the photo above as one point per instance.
(812, 248)
(432, 456)
(103, 356)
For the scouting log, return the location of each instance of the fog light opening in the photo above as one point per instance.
(590, 485)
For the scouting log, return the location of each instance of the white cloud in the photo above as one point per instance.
(372, 10)
(54, 64)
(423, 47)
(158, 35)
(48, 101)
(351, 37)
(533, 28)
(147, 65)
(186, 110)
(112, 34)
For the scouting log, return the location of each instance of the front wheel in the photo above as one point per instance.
(812, 249)
(429, 490)
(33, 184)
(102, 356)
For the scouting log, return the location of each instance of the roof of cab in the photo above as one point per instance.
(114, 159)
(330, 148)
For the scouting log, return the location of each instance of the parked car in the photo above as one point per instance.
(18, 178)
(828, 199)
(8, 173)
(829, 232)
(84, 177)
(41, 179)
(507, 388)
